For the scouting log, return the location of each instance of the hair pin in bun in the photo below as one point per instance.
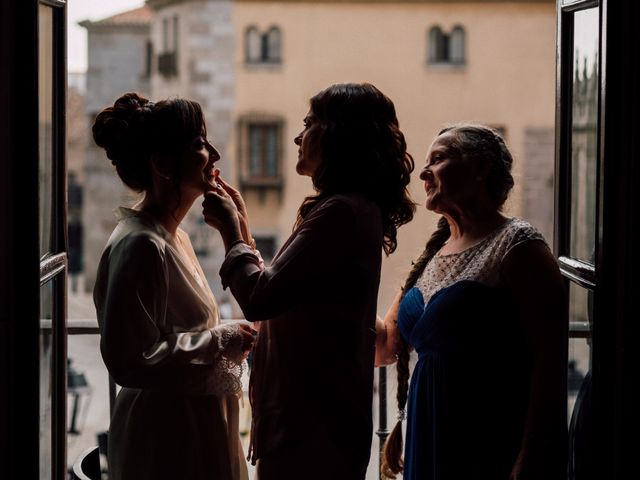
(148, 107)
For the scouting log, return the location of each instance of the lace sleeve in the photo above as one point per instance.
(520, 232)
(230, 363)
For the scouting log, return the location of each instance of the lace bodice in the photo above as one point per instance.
(480, 263)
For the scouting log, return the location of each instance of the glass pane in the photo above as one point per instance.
(274, 45)
(253, 45)
(579, 365)
(46, 379)
(255, 150)
(584, 134)
(87, 392)
(45, 114)
(272, 151)
(457, 45)
(579, 381)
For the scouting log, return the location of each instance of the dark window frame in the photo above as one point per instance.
(264, 130)
(24, 269)
(612, 276)
(261, 183)
(53, 267)
(168, 56)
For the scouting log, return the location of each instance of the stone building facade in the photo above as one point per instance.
(193, 58)
(254, 64)
(118, 62)
(441, 62)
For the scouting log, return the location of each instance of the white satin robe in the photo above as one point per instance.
(176, 416)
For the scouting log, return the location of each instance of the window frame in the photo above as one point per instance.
(435, 37)
(24, 269)
(252, 34)
(53, 266)
(167, 58)
(273, 42)
(264, 130)
(268, 49)
(575, 269)
(612, 276)
(245, 180)
(439, 46)
(462, 33)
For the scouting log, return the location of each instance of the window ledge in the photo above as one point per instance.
(275, 183)
(446, 67)
(262, 185)
(263, 66)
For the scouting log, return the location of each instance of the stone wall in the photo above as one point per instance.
(536, 179)
(116, 64)
(205, 73)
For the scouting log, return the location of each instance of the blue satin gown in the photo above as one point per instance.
(469, 390)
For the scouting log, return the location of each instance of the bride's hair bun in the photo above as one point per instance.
(123, 131)
(134, 129)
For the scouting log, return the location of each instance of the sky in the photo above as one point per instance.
(586, 43)
(78, 10)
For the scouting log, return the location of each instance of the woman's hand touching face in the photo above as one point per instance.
(220, 211)
(236, 197)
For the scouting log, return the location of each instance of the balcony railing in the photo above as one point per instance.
(577, 330)
(90, 327)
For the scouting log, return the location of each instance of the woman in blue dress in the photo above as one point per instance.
(484, 308)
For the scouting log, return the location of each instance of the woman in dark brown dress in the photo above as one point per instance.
(312, 381)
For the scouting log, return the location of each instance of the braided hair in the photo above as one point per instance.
(392, 460)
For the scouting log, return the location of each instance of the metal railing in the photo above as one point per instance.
(90, 327)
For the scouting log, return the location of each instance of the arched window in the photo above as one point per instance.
(446, 48)
(273, 45)
(456, 45)
(253, 45)
(263, 47)
(437, 45)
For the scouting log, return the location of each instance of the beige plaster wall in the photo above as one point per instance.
(508, 81)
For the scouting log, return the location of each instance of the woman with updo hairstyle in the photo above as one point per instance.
(176, 415)
(484, 308)
(312, 375)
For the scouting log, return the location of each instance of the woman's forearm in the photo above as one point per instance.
(382, 352)
(387, 335)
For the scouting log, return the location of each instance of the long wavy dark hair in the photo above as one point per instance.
(362, 151)
(478, 143)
